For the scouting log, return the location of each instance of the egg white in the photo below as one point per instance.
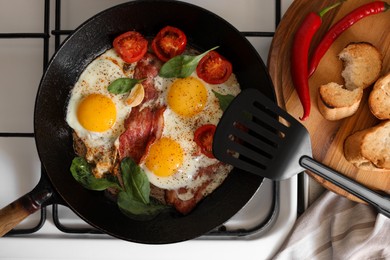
(95, 80)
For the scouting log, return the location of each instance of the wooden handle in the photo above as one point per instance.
(14, 213)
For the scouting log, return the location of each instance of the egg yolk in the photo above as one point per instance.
(187, 97)
(96, 113)
(165, 157)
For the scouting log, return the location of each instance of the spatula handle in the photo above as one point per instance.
(381, 203)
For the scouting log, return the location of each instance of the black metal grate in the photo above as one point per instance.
(44, 35)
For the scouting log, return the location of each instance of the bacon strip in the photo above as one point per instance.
(147, 68)
(186, 206)
(142, 128)
(144, 124)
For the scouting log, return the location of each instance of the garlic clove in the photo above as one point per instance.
(136, 95)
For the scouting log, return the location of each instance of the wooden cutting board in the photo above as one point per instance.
(328, 136)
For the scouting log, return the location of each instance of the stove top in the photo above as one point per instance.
(28, 38)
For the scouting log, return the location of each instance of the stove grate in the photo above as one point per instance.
(44, 35)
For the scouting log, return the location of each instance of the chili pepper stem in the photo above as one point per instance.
(328, 8)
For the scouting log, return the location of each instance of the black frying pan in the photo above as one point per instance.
(54, 140)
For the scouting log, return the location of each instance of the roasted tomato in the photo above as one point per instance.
(169, 42)
(213, 68)
(131, 46)
(204, 139)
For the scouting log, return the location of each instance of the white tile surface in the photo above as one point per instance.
(21, 69)
(21, 16)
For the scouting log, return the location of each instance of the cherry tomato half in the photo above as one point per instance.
(204, 139)
(131, 46)
(213, 68)
(169, 42)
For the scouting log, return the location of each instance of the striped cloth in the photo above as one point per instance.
(337, 228)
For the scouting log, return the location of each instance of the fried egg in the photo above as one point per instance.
(174, 161)
(97, 116)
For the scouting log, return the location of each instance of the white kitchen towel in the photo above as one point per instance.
(334, 227)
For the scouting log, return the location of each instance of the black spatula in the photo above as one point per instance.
(257, 136)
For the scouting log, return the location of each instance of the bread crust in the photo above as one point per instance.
(369, 149)
(352, 151)
(379, 99)
(336, 102)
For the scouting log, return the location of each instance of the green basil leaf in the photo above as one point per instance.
(122, 85)
(181, 66)
(135, 209)
(224, 100)
(135, 180)
(82, 173)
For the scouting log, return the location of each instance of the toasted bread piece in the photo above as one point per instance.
(369, 149)
(379, 99)
(336, 102)
(362, 65)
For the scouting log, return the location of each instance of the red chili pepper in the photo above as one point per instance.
(300, 56)
(338, 28)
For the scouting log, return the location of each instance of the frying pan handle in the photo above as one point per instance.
(381, 203)
(14, 213)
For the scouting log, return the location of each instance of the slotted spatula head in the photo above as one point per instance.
(255, 135)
